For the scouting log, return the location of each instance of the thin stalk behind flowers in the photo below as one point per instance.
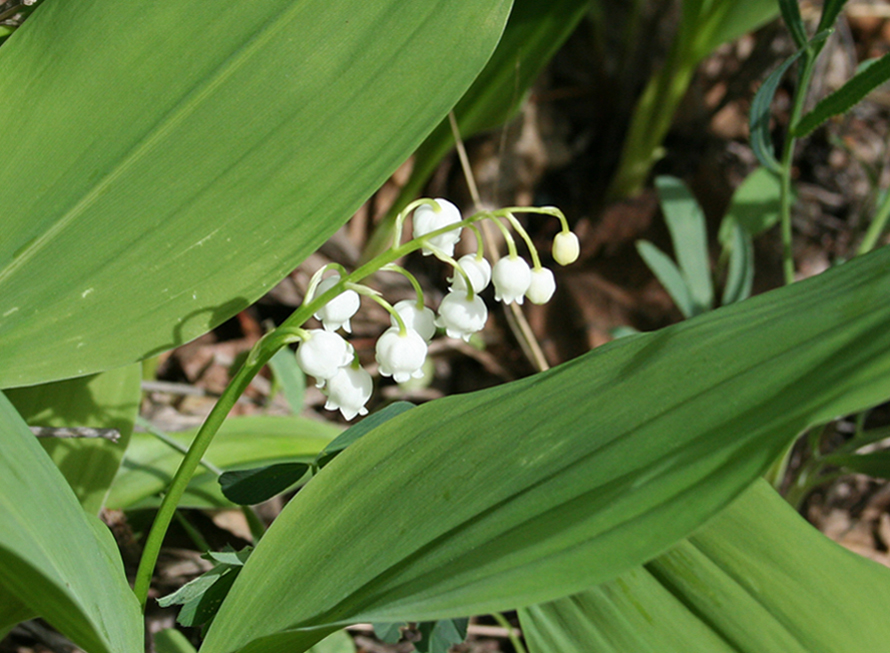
(262, 352)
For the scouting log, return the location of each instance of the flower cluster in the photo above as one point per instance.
(402, 349)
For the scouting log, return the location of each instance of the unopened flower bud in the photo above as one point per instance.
(462, 317)
(421, 320)
(479, 271)
(542, 287)
(337, 312)
(349, 390)
(566, 248)
(426, 220)
(511, 277)
(322, 355)
(401, 356)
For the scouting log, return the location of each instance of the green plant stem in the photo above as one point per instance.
(268, 345)
(254, 523)
(800, 94)
(876, 228)
(173, 444)
(511, 632)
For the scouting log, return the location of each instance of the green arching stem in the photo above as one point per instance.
(400, 218)
(392, 267)
(539, 210)
(800, 94)
(192, 532)
(262, 351)
(257, 528)
(373, 294)
(442, 256)
(511, 244)
(536, 261)
(511, 632)
(480, 247)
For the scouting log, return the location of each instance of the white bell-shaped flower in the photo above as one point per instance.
(337, 312)
(421, 320)
(401, 356)
(461, 317)
(542, 287)
(479, 271)
(426, 220)
(511, 277)
(349, 390)
(566, 248)
(322, 354)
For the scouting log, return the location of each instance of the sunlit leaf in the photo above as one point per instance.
(756, 578)
(179, 158)
(575, 475)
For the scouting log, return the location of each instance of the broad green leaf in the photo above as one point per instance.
(708, 24)
(359, 430)
(150, 464)
(55, 559)
(247, 487)
(754, 205)
(757, 578)
(290, 377)
(107, 400)
(686, 222)
(761, 139)
(575, 475)
(198, 153)
(848, 95)
(665, 270)
(338, 642)
(791, 15)
(12, 612)
(830, 11)
(534, 33)
(171, 640)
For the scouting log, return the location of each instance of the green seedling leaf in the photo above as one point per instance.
(149, 464)
(353, 433)
(756, 578)
(234, 140)
(669, 275)
(754, 205)
(831, 9)
(740, 272)
(171, 640)
(247, 487)
(576, 475)
(75, 580)
(389, 633)
(791, 16)
(200, 598)
(107, 400)
(290, 377)
(761, 140)
(686, 223)
(848, 95)
(440, 636)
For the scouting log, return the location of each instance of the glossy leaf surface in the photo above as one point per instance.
(74, 581)
(198, 153)
(575, 475)
(757, 578)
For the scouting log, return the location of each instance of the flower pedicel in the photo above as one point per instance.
(402, 349)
